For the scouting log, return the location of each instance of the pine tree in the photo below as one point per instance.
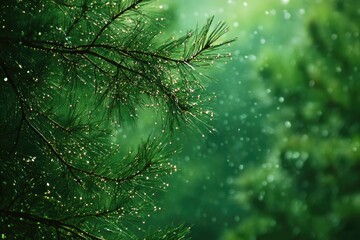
(308, 186)
(75, 73)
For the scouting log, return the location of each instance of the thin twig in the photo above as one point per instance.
(105, 26)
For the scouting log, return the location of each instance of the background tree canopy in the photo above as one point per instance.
(283, 163)
(308, 185)
(75, 75)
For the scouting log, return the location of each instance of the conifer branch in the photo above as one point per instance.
(117, 210)
(116, 16)
(84, 9)
(52, 148)
(85, 51)
(69, 166)
(57, 224)
(23, 105)
(103, 65)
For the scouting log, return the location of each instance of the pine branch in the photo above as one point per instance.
(69, 167)
(84, 9)
(118, 210)
(86, 52)
(143, 154)
(24, 105)
(204, 41)
(102, 64)
(22, 216)
(180, 232)
(132, 6)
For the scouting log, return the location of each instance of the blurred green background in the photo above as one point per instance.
(284, 162)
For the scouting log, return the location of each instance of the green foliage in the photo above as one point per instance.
(170, 233)
(308, 186)
(73, 74)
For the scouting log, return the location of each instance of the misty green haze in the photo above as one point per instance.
(284, 162)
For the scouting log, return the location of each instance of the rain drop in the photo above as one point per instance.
(287, 15)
